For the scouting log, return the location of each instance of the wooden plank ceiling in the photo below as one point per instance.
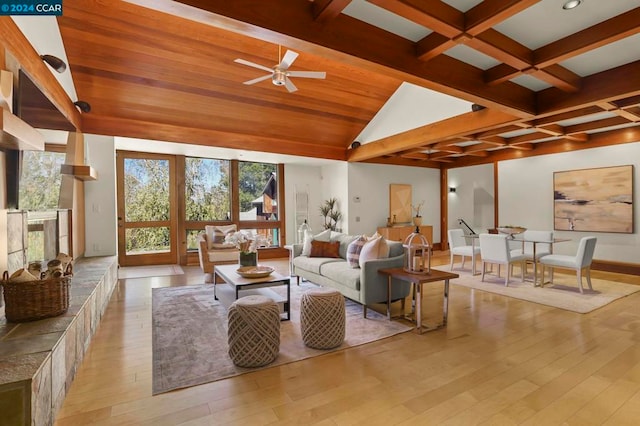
(164, 70)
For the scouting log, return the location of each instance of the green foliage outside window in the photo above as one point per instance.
(206, 189)
(40, 180)
(146, 192)
(253, 178)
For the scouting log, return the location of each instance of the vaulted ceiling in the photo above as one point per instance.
(549, 79)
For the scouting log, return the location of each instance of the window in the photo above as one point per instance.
(207, 195)
(258, 189)
(209, 186)
(40, 180)
(206, 189)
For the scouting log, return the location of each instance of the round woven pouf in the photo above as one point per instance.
(322, 318)
(254, 331)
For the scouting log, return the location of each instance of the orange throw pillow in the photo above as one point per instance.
(325, 249)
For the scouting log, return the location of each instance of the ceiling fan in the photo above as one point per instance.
(280, 73)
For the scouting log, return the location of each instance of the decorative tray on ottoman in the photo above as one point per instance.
(259, 271)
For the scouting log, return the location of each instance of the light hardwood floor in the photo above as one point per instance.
(499, 361)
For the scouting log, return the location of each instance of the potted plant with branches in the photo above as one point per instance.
(417, 208)
(329, 211)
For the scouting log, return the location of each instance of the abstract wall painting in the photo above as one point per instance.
(400, 203)
(594, 200)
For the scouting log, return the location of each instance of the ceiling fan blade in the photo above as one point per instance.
(253, 64)
(256, 80)
(307, 74)
(289, 85)
(288, 59)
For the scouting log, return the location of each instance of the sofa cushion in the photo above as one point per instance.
(344, 241)
(313, 264)
(342, 273)
(395, 248)
(353, 251)
(225, 255)
(324, 248)
(308, 237)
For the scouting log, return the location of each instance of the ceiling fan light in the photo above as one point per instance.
(279, 78)
(571, 4)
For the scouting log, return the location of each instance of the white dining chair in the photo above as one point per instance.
(494, 249)
(458, 247)
(533, 243)
(579, 263)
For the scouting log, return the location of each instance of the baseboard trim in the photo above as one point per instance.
(617, 267)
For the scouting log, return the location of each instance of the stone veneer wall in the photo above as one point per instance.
(39, 359)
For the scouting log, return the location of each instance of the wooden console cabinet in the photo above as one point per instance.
(400, 233)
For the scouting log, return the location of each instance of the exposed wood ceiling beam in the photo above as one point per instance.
(481, 147)
(478, 35)
(594, 125)
(155, 131)
(614, 137)
(324, 10)
(617, 83)
(591, 38)
(30, 61)
(526, 138)
(451, 127)
(552, 119)
(522, 146)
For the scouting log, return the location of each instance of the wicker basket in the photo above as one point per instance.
(34, 300)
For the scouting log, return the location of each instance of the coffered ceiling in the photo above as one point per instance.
(548, 79)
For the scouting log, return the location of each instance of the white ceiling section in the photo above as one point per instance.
(410, 107)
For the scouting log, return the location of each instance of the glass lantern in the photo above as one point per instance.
(417, 253)
(302, 229)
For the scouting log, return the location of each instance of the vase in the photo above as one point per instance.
(417, 220)
(249, 258)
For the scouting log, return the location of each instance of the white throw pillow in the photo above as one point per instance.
(323, 236)
(370, 250)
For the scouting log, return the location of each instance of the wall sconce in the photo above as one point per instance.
(54, 62)
(452, 190)
(84, 106)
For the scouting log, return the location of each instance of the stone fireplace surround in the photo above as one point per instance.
(39, 359)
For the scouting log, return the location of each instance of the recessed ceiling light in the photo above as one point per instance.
(571, 4)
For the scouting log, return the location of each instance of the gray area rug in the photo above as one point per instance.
(190, 336)
(563, 293)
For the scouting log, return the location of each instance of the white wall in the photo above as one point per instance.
(370, 182)
(100, 198)
(303, 179)
(335, 184)
(474, 198)
(525, 188)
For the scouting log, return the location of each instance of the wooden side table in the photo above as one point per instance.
(418, 280)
